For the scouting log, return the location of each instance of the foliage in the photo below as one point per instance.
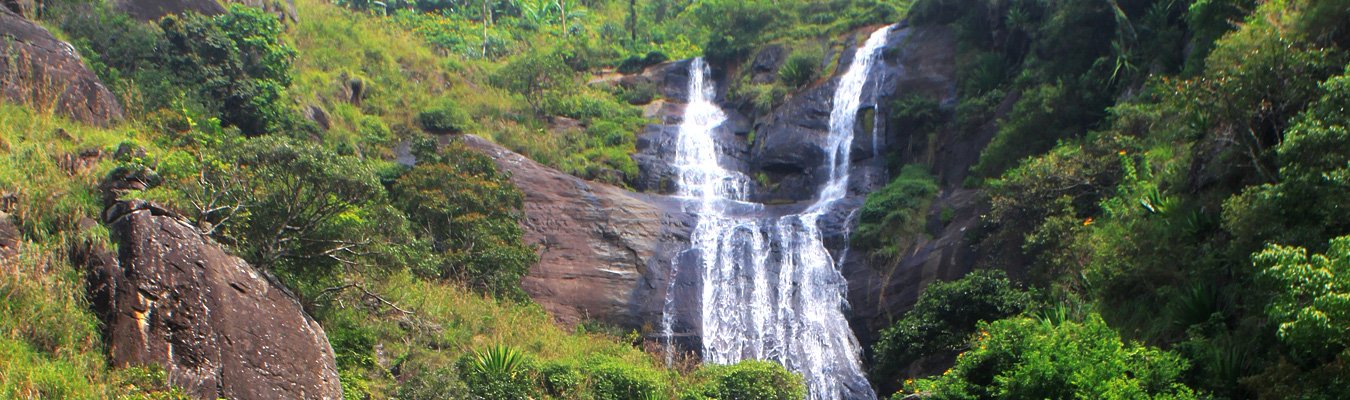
(747, 380)
(612, 379)
(801, 67)
(1303, 207)
(445, 118)
(1028, 358)
(890, 217)
(539, 77)
(945, 317)
(1312, 302)
(469, 211)
(497, 372)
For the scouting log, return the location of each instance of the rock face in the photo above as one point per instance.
(221, 329)
(37, 68)
(604, 252)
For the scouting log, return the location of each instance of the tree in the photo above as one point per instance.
(944, 318)
(304, 207)
(539, 76)
(1312, 297)
(469, 210)
(238, 64)
(1026, 358)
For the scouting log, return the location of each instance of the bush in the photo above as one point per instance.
(238, 63)
(497, 373)
(748, 380)
(1024, 358)
(446, 118)
(801, 67)
(540, 76)
(890, 217)
(470, 210)
(613, 379)
(944, 318)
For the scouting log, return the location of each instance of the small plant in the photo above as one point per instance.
(444, 119)
(802, 67)
(498, 372)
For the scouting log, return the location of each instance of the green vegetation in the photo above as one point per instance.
(891, 217)
(748, 380)
(1170, 187)
(945, 317)
(1139, 181)
(1026, 358)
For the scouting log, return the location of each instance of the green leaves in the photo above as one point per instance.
(747, 380)
(891, 217)
(1024, 358)
(497, 373)
(1312, 296)
(469, 211)
(944, 318)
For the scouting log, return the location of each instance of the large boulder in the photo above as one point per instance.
(38, 69)
(221, 329)
(604, 252)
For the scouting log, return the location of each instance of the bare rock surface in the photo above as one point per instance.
(220, 328)
(604, 251)
(36, 68)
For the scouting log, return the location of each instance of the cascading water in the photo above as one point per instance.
(771, 289)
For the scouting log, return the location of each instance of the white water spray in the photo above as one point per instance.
(771, 289)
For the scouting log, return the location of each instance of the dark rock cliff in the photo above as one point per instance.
(221, 329)
(38, 69)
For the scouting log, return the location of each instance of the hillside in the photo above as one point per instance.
(597, 199)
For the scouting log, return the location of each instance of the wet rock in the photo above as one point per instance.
(220, 328)
(37, 68)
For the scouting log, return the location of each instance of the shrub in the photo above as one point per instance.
(497, 373)
(1309, 306)
(801, 67)
(446, 118)
(469, 209)
(238, 63)
(613, 379)
(748, 380)
(1024, 358)
(540, 76)
(945, 317)
(890, 217)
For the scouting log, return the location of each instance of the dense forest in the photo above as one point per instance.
(1164, 205)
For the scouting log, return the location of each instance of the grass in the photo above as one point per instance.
(50, 346)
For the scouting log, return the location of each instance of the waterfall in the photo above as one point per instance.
(771, 289)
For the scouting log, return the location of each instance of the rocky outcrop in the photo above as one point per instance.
(220, 328)
(605, 253)
(38, 69)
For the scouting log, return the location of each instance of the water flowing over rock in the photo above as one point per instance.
(220, 329)
(770, 286)
(38, 69)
